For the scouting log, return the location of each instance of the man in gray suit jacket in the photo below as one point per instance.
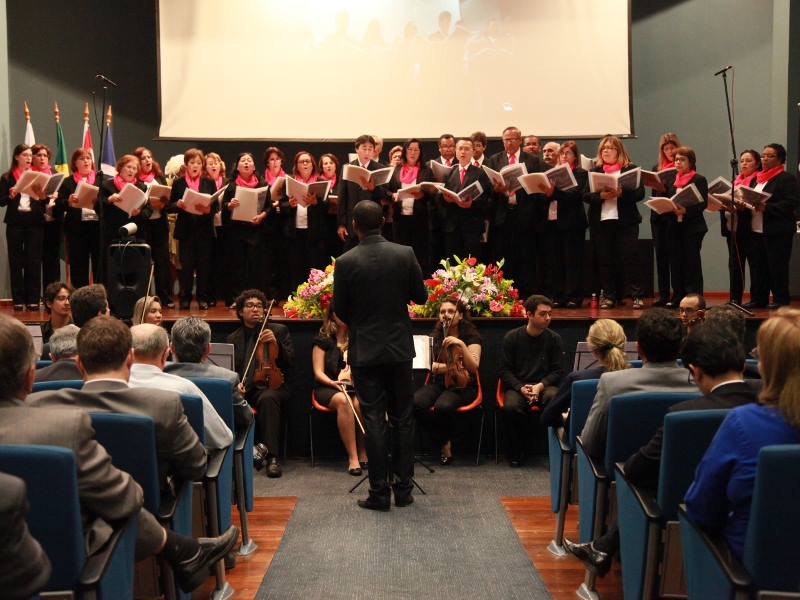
(191, 343)
(106, 494)
(105, 355)
(658, 340)
(375, 282)
(63, 352)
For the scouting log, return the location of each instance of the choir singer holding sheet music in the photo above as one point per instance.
(686, 229)
(114, 217)
(194, 231)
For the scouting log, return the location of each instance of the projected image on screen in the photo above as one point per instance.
(269, 69)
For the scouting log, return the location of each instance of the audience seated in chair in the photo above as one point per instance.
(106, 494)
(63, 352)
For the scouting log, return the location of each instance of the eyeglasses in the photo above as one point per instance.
(763, 156)
(61, 298)
(253, 305)
(305, 161)
(685, 311)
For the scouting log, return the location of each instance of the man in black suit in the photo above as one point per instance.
(714, 355)
(375, 282)
(462, 222)
(63, 352)
(513, 217)
(251, 306)
(351, 193)
(106, 494)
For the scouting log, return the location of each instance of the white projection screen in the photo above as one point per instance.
(333, 69)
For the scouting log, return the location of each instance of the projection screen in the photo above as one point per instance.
(332, 69)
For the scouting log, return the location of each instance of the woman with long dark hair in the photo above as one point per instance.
(667, 145)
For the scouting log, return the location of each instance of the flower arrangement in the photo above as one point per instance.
(173, 168)
(313, 296)
(481, 287)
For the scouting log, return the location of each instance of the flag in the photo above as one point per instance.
(87, 134)
(108, 160)
(30, 139)
(60, 162)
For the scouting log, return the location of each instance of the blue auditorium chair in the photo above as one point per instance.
(41, 386)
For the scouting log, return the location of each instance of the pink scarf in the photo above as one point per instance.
(311, 179)
(666, 165)
(193, 183)
(612, 168)
(90, 177)
(119, 182)
(16, 173)
(47, 170)
(409, 174)
(147, 177)
(765, 176)
(332, 180)
(271, 178)
(744, 180)
(250, 183)
(682, 180)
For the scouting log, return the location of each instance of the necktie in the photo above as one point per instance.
(447, 162)
(512, 159)
(477, 164)
(463, 170)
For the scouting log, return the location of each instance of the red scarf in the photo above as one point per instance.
(147, 177)
(311, 179)
(332, 180)
(271, 178)
(90, 177)
(119, 182)
(667, 164)
(409, 174)
(47, 170)
(744, 180)
(682, 180)
(193, 183)
(250, 183)
(765, 176)
(16, 173)
(612, 168)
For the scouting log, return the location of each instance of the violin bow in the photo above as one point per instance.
(147, 291)
(255, 347)
(350, 402)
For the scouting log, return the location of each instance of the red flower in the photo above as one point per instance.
(290, 313)
(489, 269)
(432, 283)
(471, 261)
(513, 293)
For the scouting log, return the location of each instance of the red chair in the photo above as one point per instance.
(323, 409)
(500, 399)
(477, 403)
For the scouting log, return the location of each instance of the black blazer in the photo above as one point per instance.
(13, 215)
(114, 217)
(188, 225)
(72, 215)
(626, 203)
(466, 220)
(693, 221)
(241, 228)
(161, 221)
(375, 282)
(351, 194)
(779, 214)
(571, 214)
(317, 217)
(420, 206)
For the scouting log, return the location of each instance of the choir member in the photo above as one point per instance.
(51, 244)
(735, 222)
(667, 145)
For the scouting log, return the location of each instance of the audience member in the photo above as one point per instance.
(56, 304)
(88, 302)
(63, 352)
(692, 311)
(147, 310)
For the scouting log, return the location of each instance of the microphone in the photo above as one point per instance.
(108, 81)
(128, 230)
(720, 72)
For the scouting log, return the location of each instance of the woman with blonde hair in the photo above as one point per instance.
(147, 310)
(720, 497)
(606, 340)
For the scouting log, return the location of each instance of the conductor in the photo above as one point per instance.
(375, 282)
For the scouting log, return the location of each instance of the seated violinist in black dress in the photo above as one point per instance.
(331, 374)
(456, 343)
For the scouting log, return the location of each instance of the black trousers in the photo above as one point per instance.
(738, 253)
(685, 264)
(83, 245)
(268, 405)
(387, 390)
(516, 410)
(618, 254)
(51, 253)
(769, 267)
(564, 263)
(461, 244)
(24, 243)
(444, 401)
(195, 255)
(156, 233)
(248, 269)
(307, 253)
(411, 231)
(661, 246)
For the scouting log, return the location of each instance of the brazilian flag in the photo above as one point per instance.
(60, 162)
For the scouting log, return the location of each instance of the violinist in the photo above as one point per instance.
(331, 374)
(271, 350)
(452, 383)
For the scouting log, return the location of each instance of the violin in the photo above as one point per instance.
(267, 374)
(457, 373)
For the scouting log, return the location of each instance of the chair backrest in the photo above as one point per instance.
(220, 393)
(585, 359)
(35, 330)
(583, 393)
(771, 549)
(221, 355)
(193, 408)
(42, 363)
(633, 419)
(54, 518)
(131, 442)
(687, 435)
(41, 386)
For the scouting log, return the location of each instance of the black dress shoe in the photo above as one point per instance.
(202, 305)
(573, 304)
(363, 464)
(596, 561)
(374, 503)
(775, 305)
(403, 501)
(19, 307)
(752, 304)
(660, 301)
(446, 460)
(519, 460)
(212, 303)
(170, 305)
(259, 457)
(355, 472)
(33, 307)
(192, 572)
(274, 468)
(185, 305)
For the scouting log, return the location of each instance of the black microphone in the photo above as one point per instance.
(108, 81)
(720, 72)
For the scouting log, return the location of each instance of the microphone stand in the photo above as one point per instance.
(99, 173)
(732, 241)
